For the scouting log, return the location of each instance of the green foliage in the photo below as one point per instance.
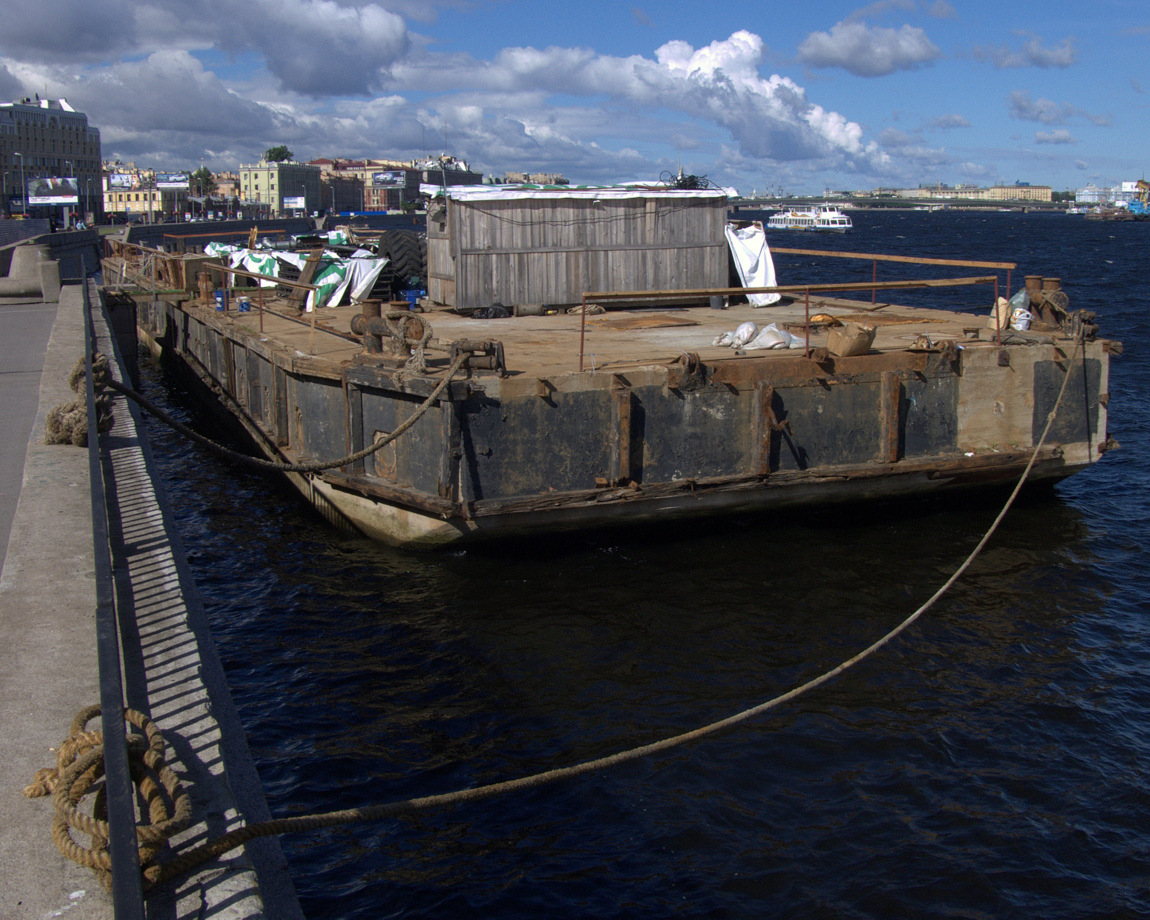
(202, 182)
(278, 154)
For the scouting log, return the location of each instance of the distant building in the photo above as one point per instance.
(48, 140)
(1020, 192)
(341, 184)
(393, 184)
(1092, 194)
(518, 178)
(286, 187)
(227, 184)
(131, 193)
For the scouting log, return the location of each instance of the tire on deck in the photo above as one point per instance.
(407, 251)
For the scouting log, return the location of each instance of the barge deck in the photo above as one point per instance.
(560, 421)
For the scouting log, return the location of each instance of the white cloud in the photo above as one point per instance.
(940, 9)
(1032, 54)
(892, 137)
(868, 51)
(75, 31)
(319, 47)
(181, 89)
(718, 84)
(1048, 112)
(313, 47)
(10, 85)
(1058, 136)
(946, 122)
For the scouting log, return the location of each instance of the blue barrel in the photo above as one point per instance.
(219, 301)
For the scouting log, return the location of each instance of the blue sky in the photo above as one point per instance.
(793, 96)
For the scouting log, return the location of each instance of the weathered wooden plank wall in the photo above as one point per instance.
(552, 250)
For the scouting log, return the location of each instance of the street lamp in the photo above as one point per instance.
(23, 186)
(67, 210)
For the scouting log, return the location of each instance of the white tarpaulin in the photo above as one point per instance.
(334, 275)
(753, 260)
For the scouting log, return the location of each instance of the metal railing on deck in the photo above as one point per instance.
(150, 266)
(127, 885)
(690, 296)
(912, 260)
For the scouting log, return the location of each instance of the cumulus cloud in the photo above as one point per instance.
(75, 31)
(10, 85)
(946, 122)
(1048, 112)
(868, 51)
(1058, 136)
(318, 47)
(892, 137)
(147, 92)
(313, 47)
(718, 84)
(940, 9)
(1032, 54)
(174, 87)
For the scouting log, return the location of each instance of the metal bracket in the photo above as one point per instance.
(485, 356)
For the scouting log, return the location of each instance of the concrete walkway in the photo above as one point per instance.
(171, 672)
(24, 330)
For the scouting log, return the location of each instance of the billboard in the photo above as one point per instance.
(174, 180)
(53, 190)
(394, 179)
(121, 180)
(298, 202)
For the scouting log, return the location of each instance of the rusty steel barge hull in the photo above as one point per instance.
(659, 424)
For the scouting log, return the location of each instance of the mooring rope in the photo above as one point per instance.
(271, 465)
(80, 765)
(75, 776)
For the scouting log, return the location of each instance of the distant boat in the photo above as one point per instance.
(825, 218)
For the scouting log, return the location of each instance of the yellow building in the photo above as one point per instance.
(288, 187)
(971, 193)
(143, 194)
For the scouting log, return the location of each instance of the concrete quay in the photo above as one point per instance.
(48, 666)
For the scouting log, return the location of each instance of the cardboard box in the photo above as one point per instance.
(850, 339)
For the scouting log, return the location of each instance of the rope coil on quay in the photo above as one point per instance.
(76, 772)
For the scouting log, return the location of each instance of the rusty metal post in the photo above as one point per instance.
(874, 279)
(372, 344)
(997, 318)
(582, 330)
(808, 322)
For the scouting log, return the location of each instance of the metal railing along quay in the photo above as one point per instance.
(127, 885)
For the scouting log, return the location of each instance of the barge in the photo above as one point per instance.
(622, 406)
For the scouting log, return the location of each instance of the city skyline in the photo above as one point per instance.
(802, 98)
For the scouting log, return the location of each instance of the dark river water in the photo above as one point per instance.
(992, 762)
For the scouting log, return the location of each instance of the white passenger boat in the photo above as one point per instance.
(825, 218)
